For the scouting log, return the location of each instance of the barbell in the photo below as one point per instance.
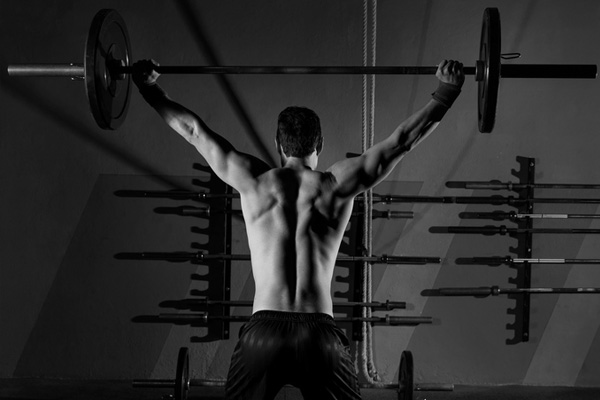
(496, 291)
(492, 200)
(501, 215)
(199, 256)
(495, 261)
(107, 67)
(377, 198)
(205, 317)
(191, 211)
(205, 302)
(498, 185)
(182, 382)
(503, 230)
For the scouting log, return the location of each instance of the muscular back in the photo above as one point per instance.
(295, 224)
(295, 217)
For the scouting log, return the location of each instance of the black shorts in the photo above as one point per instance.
(306, 350)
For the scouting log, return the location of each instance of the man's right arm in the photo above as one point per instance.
(233, 167)
(358, 174)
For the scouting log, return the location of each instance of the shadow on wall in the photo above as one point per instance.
(522, 276)
(190, 16)
(214, 224)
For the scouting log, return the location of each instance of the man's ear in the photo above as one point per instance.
(280, 152)
(278, 145)
(320, 145)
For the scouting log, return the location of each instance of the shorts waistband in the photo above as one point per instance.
(292, 316)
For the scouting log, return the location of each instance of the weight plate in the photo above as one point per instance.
(489, 55)
(107, 42)
(182, 375)
(405, 376)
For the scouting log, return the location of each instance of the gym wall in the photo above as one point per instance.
(67, 304)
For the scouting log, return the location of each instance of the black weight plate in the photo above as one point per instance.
(406, 376)
(182, 375)
(489, 55)
(107, 41)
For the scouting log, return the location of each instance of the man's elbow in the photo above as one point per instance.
(185, 127)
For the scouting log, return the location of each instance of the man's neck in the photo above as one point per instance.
(300, 163)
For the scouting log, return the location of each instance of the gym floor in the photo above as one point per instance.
(44, 389)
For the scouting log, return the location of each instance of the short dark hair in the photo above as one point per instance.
(298, 131)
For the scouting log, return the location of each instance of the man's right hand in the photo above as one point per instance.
(144, 73)
(450, 71)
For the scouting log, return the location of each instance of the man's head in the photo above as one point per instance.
(299, 132)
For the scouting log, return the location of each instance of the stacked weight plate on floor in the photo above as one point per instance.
(182, 382)
(182, 375)
(406, 376)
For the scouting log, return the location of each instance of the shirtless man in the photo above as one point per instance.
(295, 219)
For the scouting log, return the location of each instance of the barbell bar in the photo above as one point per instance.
(182, 382)
(387, 305)
(492, 200)
(377, 198)
(511, 260)
(503, 230)
(192, 195)
(107, 67)
(501, 215)
(176, 194)
(496, 291)
(206, 212)
(200, 256)
(205, 317)
(498, 185)
(117, 71)
(77, 71)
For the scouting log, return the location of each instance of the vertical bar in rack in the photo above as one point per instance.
(357, 328)
(522, 272)
(227, 262)
(529, 194)
(219, 241)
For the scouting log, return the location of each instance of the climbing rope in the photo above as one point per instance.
(368, 135)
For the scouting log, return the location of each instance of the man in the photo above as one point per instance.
(295, 219)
